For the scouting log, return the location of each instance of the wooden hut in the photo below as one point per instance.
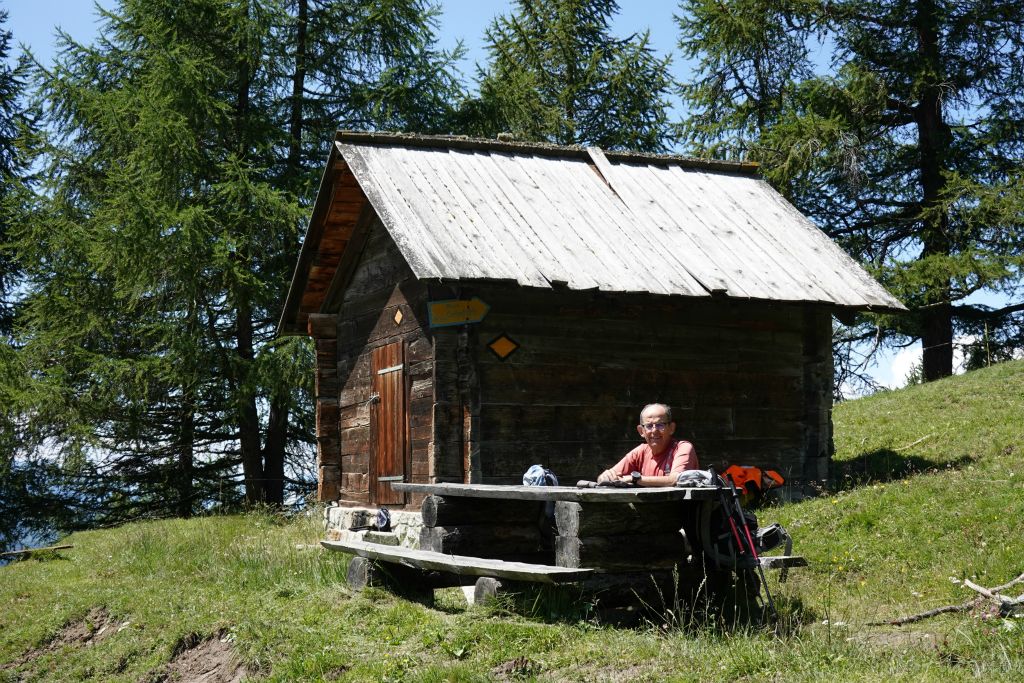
(480, 306)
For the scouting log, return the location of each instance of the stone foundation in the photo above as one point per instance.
(405, 525)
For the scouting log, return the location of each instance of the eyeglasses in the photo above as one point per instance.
(650, 427)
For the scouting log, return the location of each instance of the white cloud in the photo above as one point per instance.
(958, 353)
(900, 366)
(892, 370)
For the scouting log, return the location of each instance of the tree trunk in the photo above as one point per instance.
(274, 450)
(253, 473)
(934, 140)
(186, 457)
(295, 121)
(187, 431)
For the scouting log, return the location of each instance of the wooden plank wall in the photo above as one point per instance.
(324, 331)
(454, 456)
(818, 371)
(381, 285)
(749, 383)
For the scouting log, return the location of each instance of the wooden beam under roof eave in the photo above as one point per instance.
(289, 323)
(349, 258)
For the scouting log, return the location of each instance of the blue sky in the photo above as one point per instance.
(33, 23)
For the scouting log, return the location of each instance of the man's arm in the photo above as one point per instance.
(621, 469)
(661, 480)
(684, 458)
(664, 480)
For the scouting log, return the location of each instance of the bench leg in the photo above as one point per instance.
(406, 581)
(362, 573)
(488, 588)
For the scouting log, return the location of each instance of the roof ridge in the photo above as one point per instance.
(574, 151)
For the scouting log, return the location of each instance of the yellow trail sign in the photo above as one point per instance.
(456, 311)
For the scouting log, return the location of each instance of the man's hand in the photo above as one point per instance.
(607, 475)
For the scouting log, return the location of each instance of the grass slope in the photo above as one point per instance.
(931, 492)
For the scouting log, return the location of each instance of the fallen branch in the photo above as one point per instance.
(28, 551)
(925, 615)
(911, 445)
(1006, 605)
(980, 589)
(1014, 582)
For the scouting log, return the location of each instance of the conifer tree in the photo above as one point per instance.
(363, 65)
(905, 145)
(160, 249)
(17, 481)
(14, 125)
(557, 74)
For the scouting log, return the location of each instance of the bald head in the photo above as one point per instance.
(664, 409)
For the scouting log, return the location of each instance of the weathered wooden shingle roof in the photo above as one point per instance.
(541, 216)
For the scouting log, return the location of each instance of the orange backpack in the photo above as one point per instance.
(753, 480)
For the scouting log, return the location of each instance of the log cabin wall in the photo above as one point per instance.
(382, 304)
(324, 331)
(749, 383)
(454, 453)
(818, 381)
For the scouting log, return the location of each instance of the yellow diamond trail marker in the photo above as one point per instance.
(503, 346)
(398, 317)
(456, 312)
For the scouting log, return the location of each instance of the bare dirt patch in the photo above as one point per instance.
(614, 674)
(95, 627)
(515, 669)
(896, 639)
(641, 673)
(195, 659)
(204, 660)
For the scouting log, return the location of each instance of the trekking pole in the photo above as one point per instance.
(753, 548)
(726, 509)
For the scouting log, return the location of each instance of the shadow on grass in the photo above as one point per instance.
(885, 465)
(725, 604)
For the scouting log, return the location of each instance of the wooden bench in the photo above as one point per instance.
(460, 565)
(782, 561)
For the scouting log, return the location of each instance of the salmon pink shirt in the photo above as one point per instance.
(678, 457)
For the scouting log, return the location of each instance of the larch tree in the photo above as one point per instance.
(557, 74)
(24, 507)
(141, 256)
(15, 126)
(903, 142)
(160, 249)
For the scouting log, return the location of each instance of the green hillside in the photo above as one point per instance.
(931, 493)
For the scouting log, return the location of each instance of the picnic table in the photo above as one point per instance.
(600, 537)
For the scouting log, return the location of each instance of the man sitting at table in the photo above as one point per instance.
(660, 459)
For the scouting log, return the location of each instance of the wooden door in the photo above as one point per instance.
(388, 424)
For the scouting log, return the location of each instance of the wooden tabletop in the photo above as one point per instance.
(570, 493)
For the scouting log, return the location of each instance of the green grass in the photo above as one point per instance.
(931, 491)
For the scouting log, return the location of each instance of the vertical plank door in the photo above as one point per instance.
(388, 421)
